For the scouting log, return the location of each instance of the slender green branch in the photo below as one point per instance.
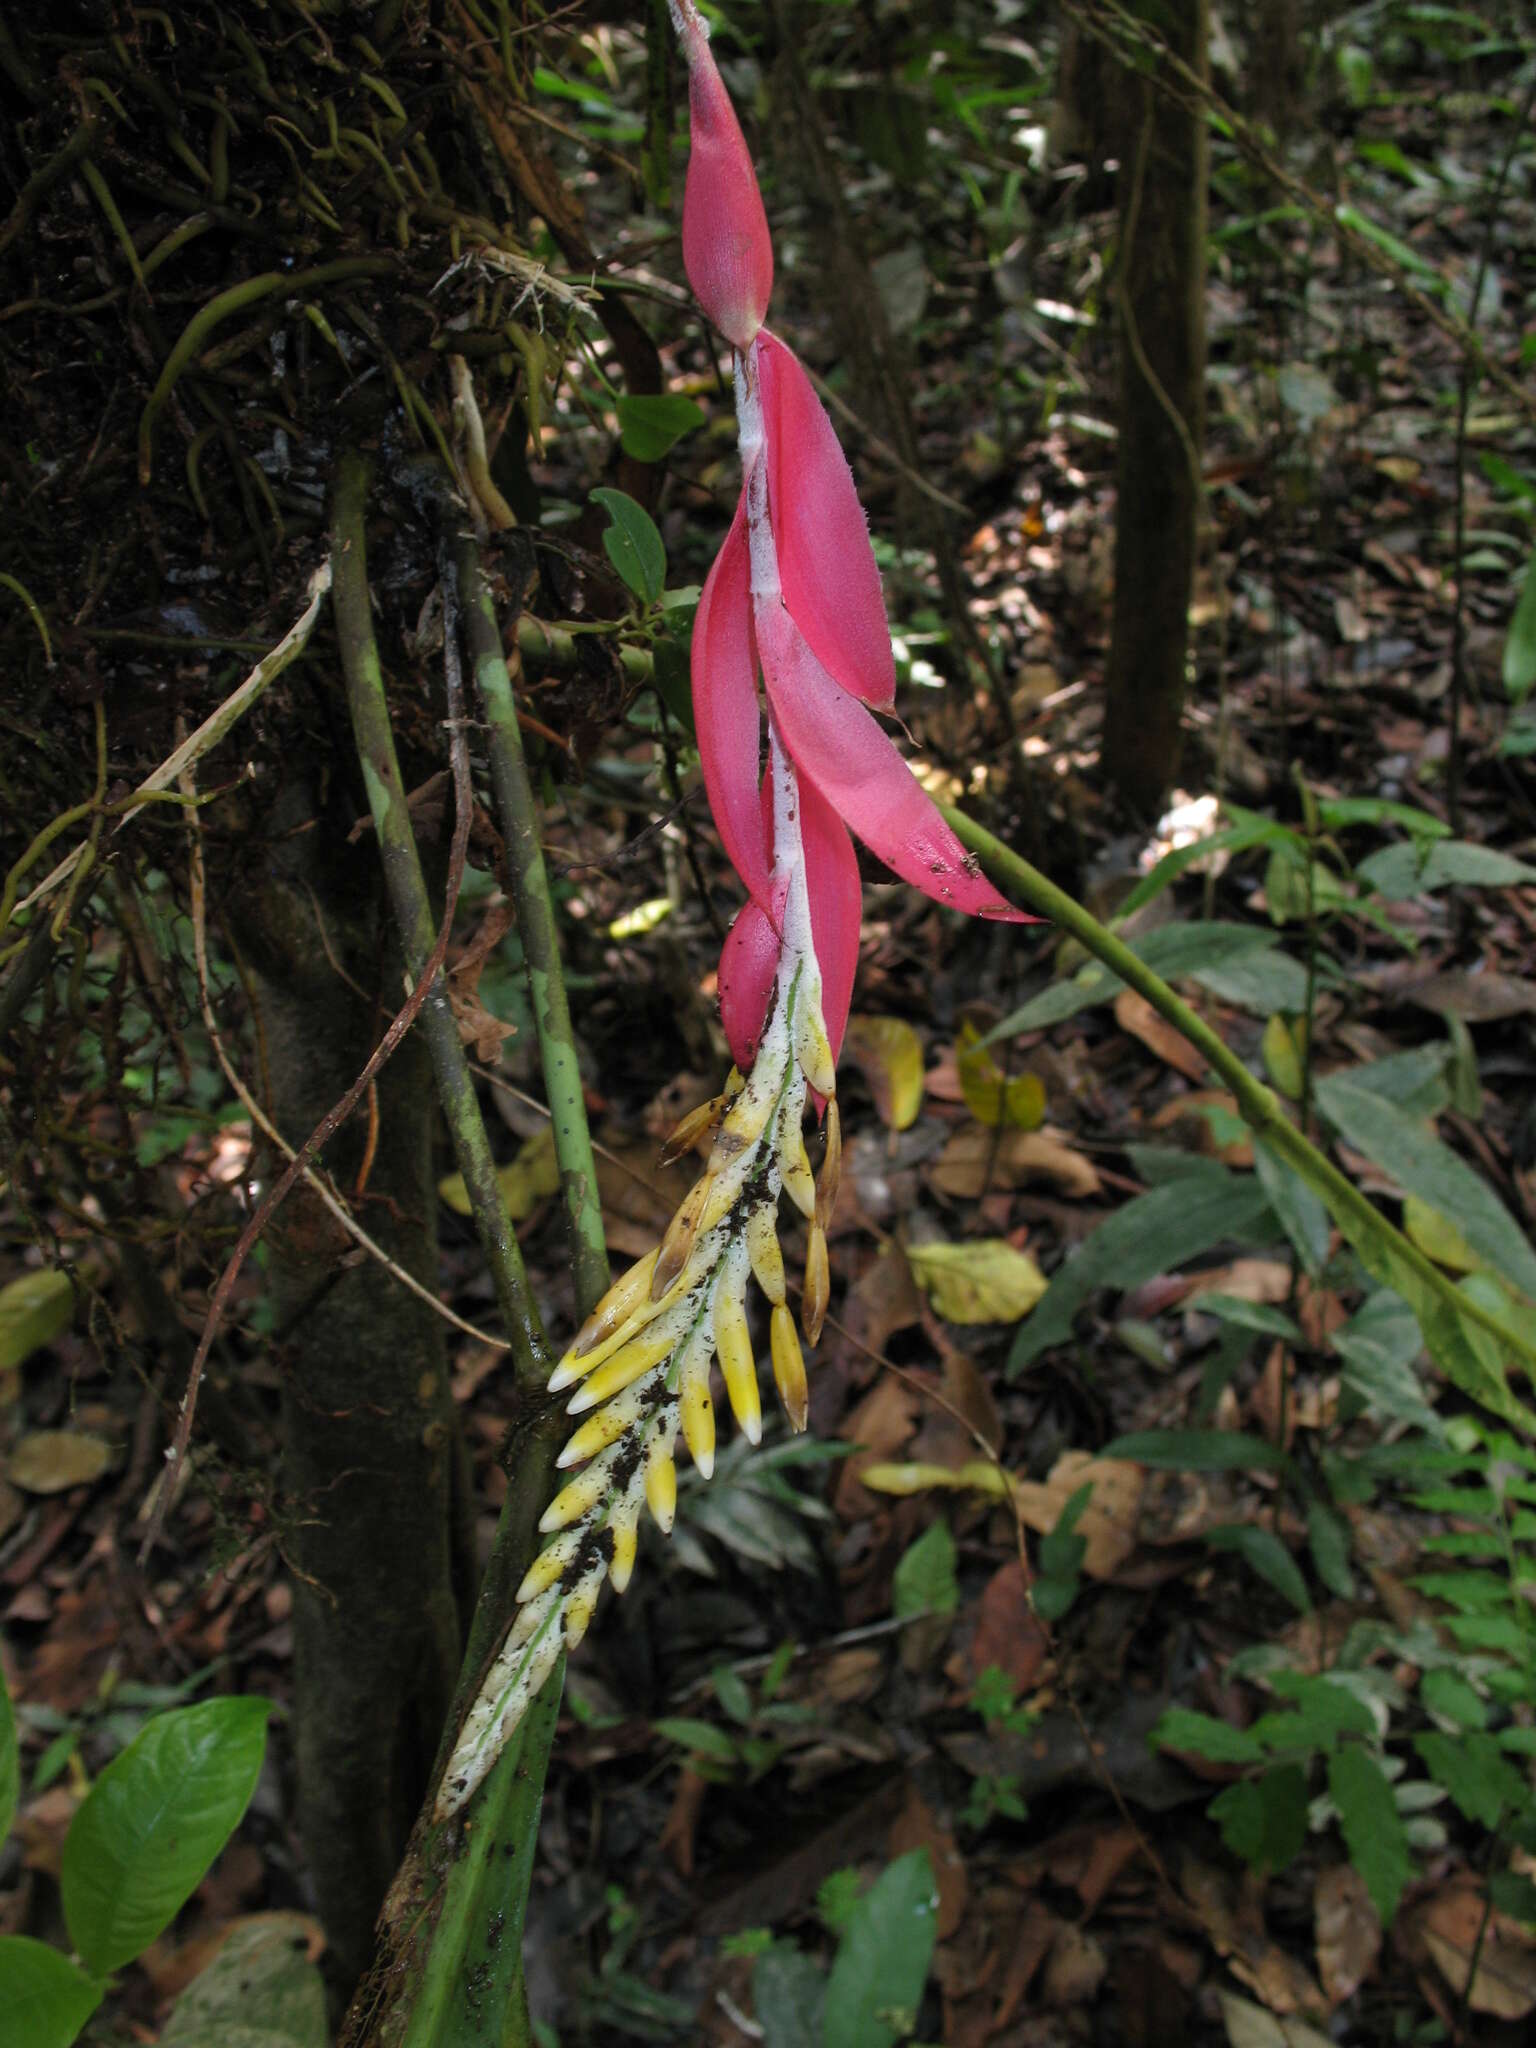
(536, 927)
(1360, 1220)
(413, 916)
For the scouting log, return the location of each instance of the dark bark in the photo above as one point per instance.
(1162, 378)
(373, 1459)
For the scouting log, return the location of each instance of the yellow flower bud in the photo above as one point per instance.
(789, 1367)
(762, 1236)
(831, 1167)
(626, 1294)
(622, 1562)
(661, 1482)
(818, 1285)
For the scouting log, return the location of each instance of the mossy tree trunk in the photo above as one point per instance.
(1161, 295)
(375, 1507)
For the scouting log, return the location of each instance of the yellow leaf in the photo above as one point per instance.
(983, 1281)
(889, 1054)
(1284, 1046)
(993, 1098)
(645, 917)
(529, 1179)
(53, 1460)
(1438, 1238)
(34, 1309)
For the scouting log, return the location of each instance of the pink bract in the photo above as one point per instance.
(726, 247)
(826, 564)
(725, 710)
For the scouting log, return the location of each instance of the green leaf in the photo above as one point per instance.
(1192, 1734)
(837, 1896)
(633, 544)
(45, 1999)
(700, 1738)
(10, 1761)
(1300, 1212)
(1379, 1344)
(650, 426)
(154, 1821)
(876, 1982)
(787, 1993)
(1520, 647)
(1371, 1825)
(260, 1991)
(1247, 1315)
(1264, 1819)
(1402, 254)
(1250, 830)
(1205, 952)
(1422, 1166)
(34, 1309)
(1262, 1551)
(732, 1693)
(1476, 1776)
(1198, 1450)
(1328, 1540)
(1398, 872)
(1447, 1693)
(1322, 1710)
(1152, 1234)
(924, 1581)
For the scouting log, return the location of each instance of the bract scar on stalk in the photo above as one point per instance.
(793, 599)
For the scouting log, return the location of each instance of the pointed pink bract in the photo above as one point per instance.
(837, 746)
(725, 709)
(726, 248)
(826, 564)
(749, 961)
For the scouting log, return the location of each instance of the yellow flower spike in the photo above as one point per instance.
(799, 1183)
(762, 1239)
(688, 1130)
(578, 1498)
(626, 1366)
(831, 1166)
(812, 1047)
(818, 1285)
(740, 1373)
(681, 1232)
(546, 1568)
(697, 1410)
(622, 1562)
(608, 1424)
(580, 1605)
(748, 1116)
(530, 1619)
(789, 1367)
(620, 1302)
(661, 1482)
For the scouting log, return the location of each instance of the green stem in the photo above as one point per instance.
(536, 927)
(1360, 1220)
(412, 907)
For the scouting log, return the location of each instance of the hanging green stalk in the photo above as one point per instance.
(1469, 1356)
(413, 917)
(536, 928)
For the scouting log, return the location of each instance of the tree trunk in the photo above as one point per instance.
(375, 1505)
(1162, 418)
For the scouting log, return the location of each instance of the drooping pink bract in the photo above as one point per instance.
(726, 247)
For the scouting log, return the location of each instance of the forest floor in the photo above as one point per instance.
(813, 1675)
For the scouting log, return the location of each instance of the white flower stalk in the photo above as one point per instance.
(639, 1371)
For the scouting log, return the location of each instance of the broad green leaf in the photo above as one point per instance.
(732, 1693)
(924, 1581)
(876, 1982)
(44, 1999)
(34, 1309)
(1198, 1450)
(1406, 257)
(1422, 1166)
(260, 1991)
(154, 1821)
(1379, 1344)
(633, 544)
(1300, 1212)
(1437, 1237)
(1264, 1819)
(1338, 813)
(1477, 1777)
(1250, 830)
(1247, 1315)
(1193, 1734)
(889, 1054)
(1398, 872)
(701, 1738)
(10, 1761)
(650, 426)
(1262, 1551)
(1414, 1080)
(787, 1993)
(1154, 1233)
(1520, 647)
(983, 1280)
(1176, 951)
(1328, 1540)
(1371, 1825)
(1447, 1693)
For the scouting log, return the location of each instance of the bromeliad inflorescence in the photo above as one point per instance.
(794, 594)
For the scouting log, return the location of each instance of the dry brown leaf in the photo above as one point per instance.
(1007, 1633)
(918, 1827)
(976, 1159)
(1449, 1925)
(879, 1426)
(1257, 1280)
(1347, 1931)
(1109, 1522)
(1074, 1969)
(1196, 1108)
(1133, 1013)
(883, 1299)
(966, 1388)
